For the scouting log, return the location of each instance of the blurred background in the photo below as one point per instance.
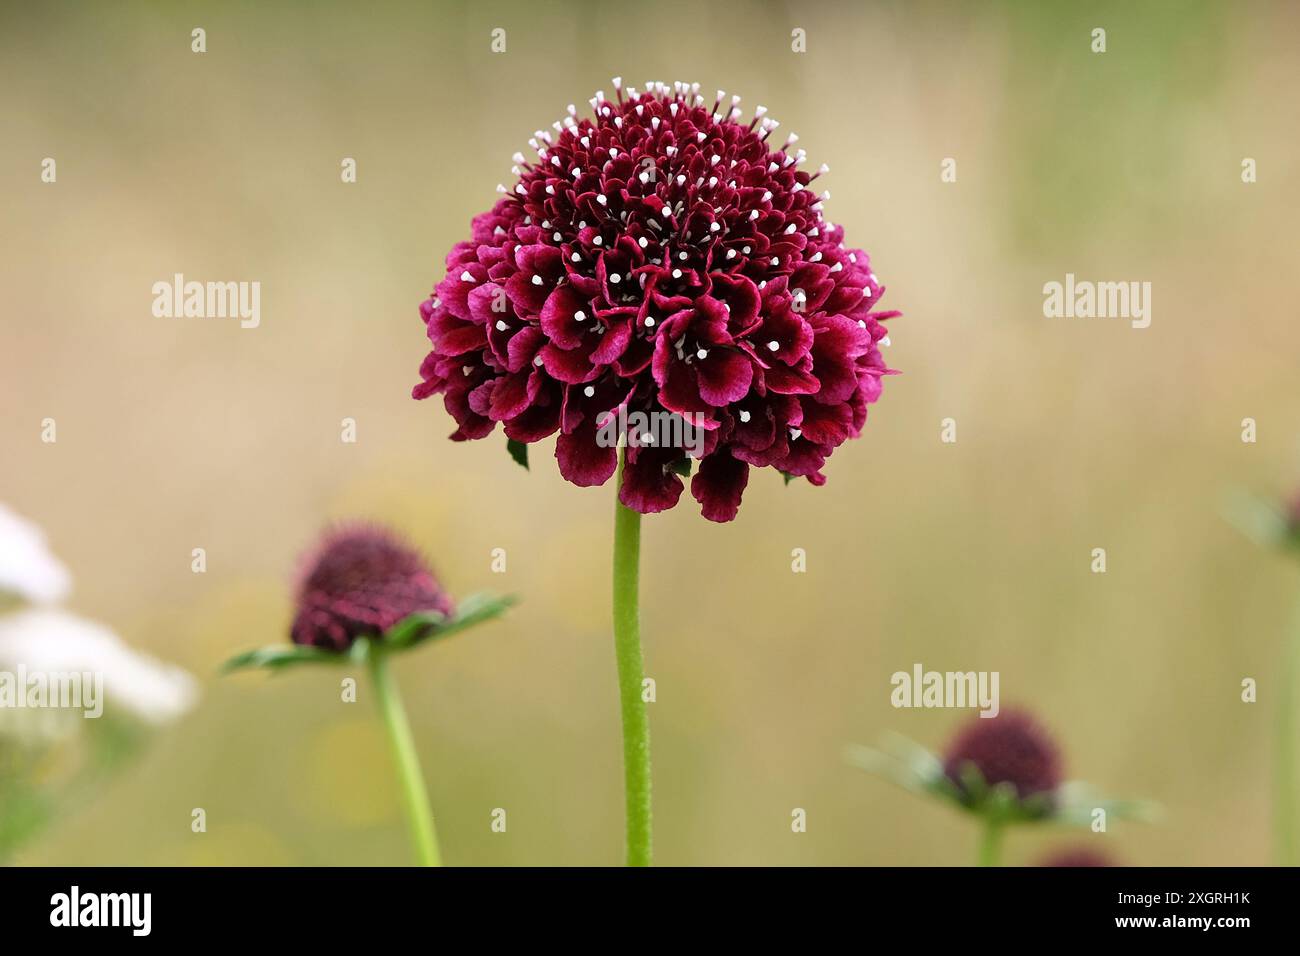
(1073, 434)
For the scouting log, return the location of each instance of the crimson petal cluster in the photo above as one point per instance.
(663, 257)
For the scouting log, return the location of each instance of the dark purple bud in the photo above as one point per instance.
(360, 581)
(1010, 748)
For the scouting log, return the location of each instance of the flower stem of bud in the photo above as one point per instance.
(627, 649)
(990, 850)
(1284, 796)
(415, 797)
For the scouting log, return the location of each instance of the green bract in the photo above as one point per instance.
(410, 632)
(910, 766)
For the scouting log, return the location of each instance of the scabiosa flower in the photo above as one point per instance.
(663, 262)
(1002, 770)
(365, 596)
(1009, 750)
(665, 256)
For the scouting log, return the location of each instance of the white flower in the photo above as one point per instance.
(27, 568)
(49, 640)
(40, 640)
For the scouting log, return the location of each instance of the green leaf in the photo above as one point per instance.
(279, 656)
(518, 451)
(681, 467)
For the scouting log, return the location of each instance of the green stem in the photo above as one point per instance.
(627, 648)
(1284, 781)
(991, 843)
(414, 796)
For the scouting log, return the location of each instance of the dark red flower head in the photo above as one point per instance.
(359, 583)
(1009, 748)
(664, 258)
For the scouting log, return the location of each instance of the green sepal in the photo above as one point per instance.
(518, 451)
(280, 656)
(910, 766)
(410, 632)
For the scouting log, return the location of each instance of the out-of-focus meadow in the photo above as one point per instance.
(1073, 434)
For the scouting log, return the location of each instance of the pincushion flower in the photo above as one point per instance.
(658, 288)
(666, 256)
(363, 596)
(1004, 770)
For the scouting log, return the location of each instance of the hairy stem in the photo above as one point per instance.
(990, 850)
(627, 649)
(415, 799)
(1284, 779)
